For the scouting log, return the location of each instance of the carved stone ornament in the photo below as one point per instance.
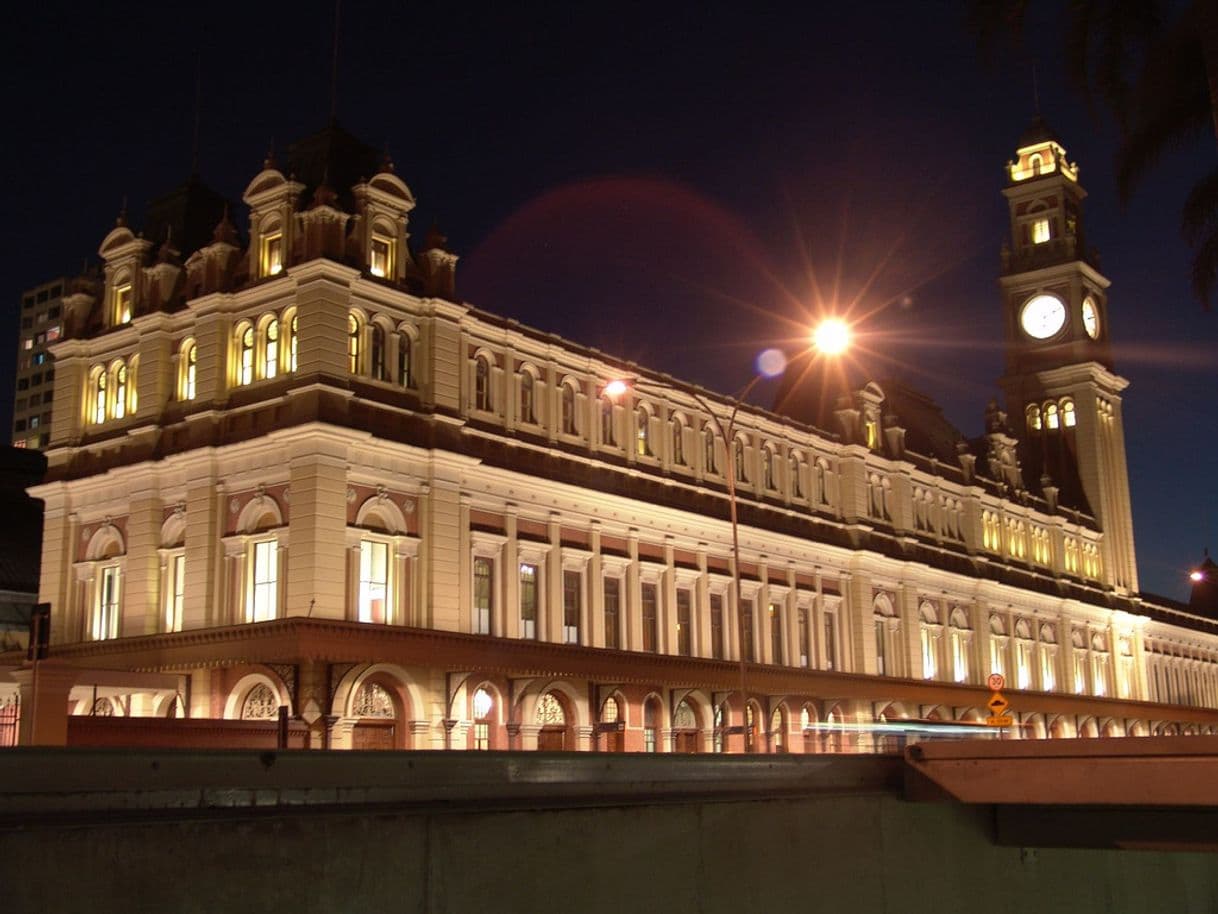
(233, 505)
(408, 506)
(287, 494)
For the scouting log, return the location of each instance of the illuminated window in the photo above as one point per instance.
(377, 354)
(746, 617)
(484, 704)
(119, 408)
(684, 623)
(872, 434)
(961, 639)
(716, 626)
(484, 594)
(245, 358)
(373, 581)
(381, 261)
(189, 371)
(803, 636)
(708, 449)
(572, 592)
(176, 592)
(264, 582)
(830, 641)
(677, 429)
(776, 640)
(122, 303)
(767, 469)
(272, 254)
(797, 476)
(1036, 163)
(612, 609)
(354, 331)
(528, 412)
(550, 712)
(929, 631)
(1033, 417)
(482, 384)
(106, 612)
(568, 409)
(642, 434)
(607, 435)
(1051, 418)
(528, 601)
(650, 598)
(651, 722)
(405, 359)
(1040, 231)
(99, 398)
(1069, 419)
(292, 335)
(738, 459)
(270, 354)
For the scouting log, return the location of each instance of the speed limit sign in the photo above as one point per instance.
(996, 682)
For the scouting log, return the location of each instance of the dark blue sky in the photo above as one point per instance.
(671, 183)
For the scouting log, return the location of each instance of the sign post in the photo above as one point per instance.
(998, 703)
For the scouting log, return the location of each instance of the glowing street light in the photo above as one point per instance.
(831, 336)
(1196, 576)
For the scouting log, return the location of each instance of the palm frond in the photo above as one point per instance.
(1205, 268)
(1200, 214)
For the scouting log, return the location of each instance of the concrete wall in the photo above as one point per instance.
(855, 846)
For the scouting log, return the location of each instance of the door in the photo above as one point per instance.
(373, 735)
(552, 739)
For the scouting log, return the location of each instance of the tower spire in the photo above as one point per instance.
(1035, 89)
(194, 144)
(334, 67)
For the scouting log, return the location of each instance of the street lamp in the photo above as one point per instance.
(831, 338)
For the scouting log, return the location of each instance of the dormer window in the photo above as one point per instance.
(380, 262)
(1040, 231)
(272, 253)
(1051, 420)
(872, 433)
(122, 304)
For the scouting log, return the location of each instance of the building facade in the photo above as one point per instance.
(41, 318)
(296, 472)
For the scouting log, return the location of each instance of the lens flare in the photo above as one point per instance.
(832, 336)
(616, 388)
(1196, 576)
(771, 363)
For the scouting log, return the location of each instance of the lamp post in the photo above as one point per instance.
(830, 338)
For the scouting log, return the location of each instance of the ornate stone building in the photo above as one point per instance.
(297, 472)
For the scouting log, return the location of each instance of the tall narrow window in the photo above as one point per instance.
(381, 259)
(99, 398)
(405, 360)
(830, 642)
(568, 409)
(120, 391)
(708, 449)
(651, 724)
(377, 354)
(746, 618)
(776, 655)
(292, 348)
(245, 358)
(650, 612)
(353, 343)
(528, 412)
(484, 703)
(528, 601)
(175, 592)
(716, 623)
(642, 432)
(738, 459)
(881, 650)
(1069, 419)
(797, 477)
(1051, 421)
(190, 360)
(122, 303)
(105, 620)
(1040, 231)
(270, 356)
(265, 581)
(373, 581)
(572, 586)
(482, 384)
(613, 601)
(484, 594)
(272, 254)
(803, 637)
(607, 436)
(684, 627)
(768, 457)
(678, 442)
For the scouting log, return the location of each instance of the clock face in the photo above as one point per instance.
(1091, 318)
(1042, 316)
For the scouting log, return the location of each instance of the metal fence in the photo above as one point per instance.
(10, 718)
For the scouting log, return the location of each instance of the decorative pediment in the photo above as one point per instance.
(266, 180)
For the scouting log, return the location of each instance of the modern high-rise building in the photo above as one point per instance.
(299, 473)
(41, 318)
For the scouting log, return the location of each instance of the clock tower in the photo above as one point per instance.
(1062, 394)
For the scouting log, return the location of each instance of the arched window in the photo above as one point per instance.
(778, 730)
(961, 644)
(99, 397)
(353, 343)
(708, 449)
(1032, 414)
(1037, 163)
(1051, 416)
(568, 410)
(1069, 419)
(484, 704)
(188, 370)
(270, 355)
(550, 712)
(122, 302)
(651, 724)
(796, 469)
(738, 460)
(642, 431)
(482, 384)
(607, 436)
(405, 359)
(528, 412)
(803, 637)
(119, 408)
(929, 626)
(677, 430)
(245, 354)
(261, 703)
(291, 325)
(768, 458)
(377, 354)
(271, 255)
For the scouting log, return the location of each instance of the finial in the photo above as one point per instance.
(224, 231)
(122, 213)
(1035, 88)
(269, 161)
(387, 160)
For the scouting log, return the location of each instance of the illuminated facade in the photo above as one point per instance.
(297, 472)
(41, 318)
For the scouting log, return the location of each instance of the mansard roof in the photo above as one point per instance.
(334, 157)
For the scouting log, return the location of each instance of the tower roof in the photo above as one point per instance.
(1203, 600)
(1038, 132)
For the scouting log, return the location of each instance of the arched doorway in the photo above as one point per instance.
(376, 718)
(552, 716)
(778, 729)
(613, 725)
(651, 724)
(808, 727)
(484, 714)
(752, 727)
(684, 729)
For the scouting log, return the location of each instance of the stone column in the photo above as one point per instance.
(203, 603)
(317, 528)
(593, 608)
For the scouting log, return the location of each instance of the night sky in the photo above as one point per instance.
(677, 186)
